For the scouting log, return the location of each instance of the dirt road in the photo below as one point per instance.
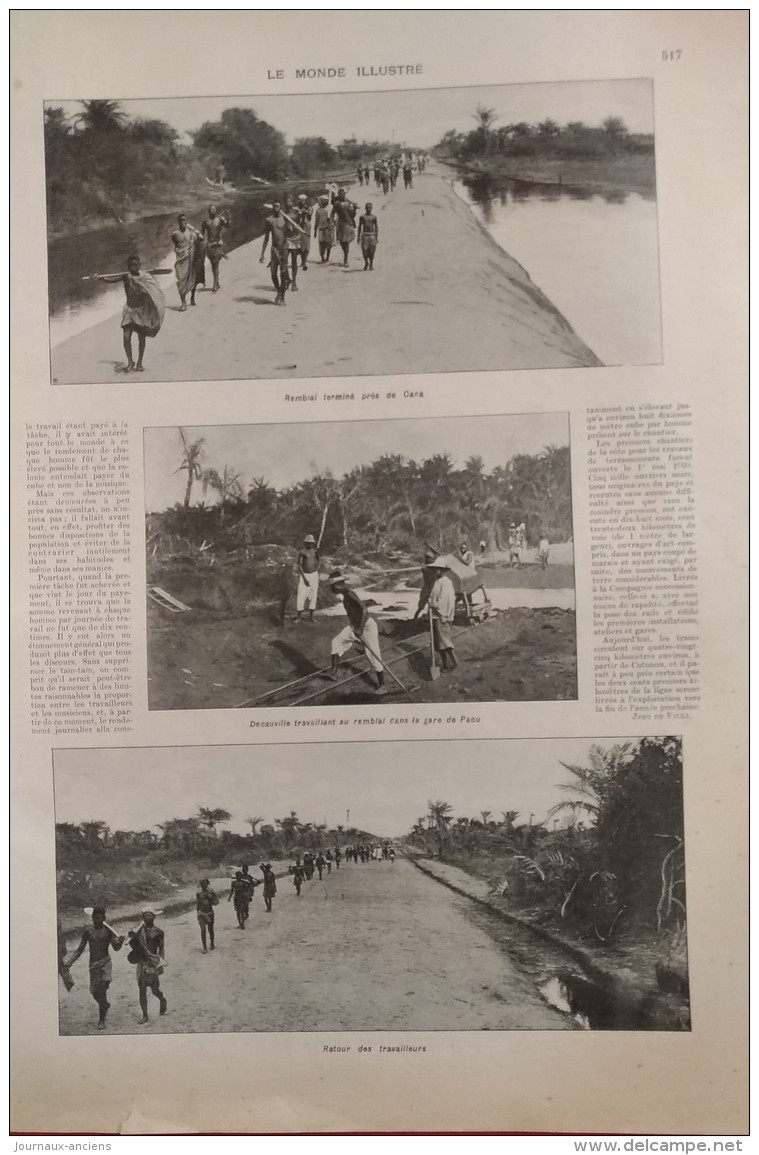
(374, 946)
(443, 297)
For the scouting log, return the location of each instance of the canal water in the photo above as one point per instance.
(595, 257)
(76, 305)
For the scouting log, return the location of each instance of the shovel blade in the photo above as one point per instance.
(434, 673)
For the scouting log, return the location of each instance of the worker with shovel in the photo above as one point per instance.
(360, 631)
(442, 606)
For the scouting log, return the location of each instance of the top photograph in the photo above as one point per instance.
(487, 228)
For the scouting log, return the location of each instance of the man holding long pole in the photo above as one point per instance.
(361, 630)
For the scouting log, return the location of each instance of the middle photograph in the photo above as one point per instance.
(345, 563)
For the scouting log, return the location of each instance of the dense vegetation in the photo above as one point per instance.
(574, 140)
(608, 858)
(96, 863)
(102, 165)
(387, 505)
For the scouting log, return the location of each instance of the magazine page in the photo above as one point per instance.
(378, 472)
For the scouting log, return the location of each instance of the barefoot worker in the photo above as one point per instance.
(240, 892)
(303, 214)
(212, 229)
(147, 952)
(368, 235)
(205, 901)
(344, 214)
(294, 237)
(275, 228)
(270, 885)
(143, 312)
(323, 229)
(360, 631)
(442, 603)
(308, 578)
(99, 938)
(188, 246)
(429, 577)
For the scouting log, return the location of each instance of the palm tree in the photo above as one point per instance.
(290, 826)
(226, 484)
(440, 814)
(212, 817)
(253, 823)
(485, 815)
(590, 781)
(192, 456)
(101, 116)
(486, 118)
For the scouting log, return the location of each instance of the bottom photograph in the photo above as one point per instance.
(372, 886)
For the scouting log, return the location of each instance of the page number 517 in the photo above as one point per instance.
(671, 53)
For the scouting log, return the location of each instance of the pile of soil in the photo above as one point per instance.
(214, 660)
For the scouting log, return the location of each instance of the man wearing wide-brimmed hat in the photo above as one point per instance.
(308, 578)
(361, 630)
(442, 603)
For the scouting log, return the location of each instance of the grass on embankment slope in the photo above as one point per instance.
(628, 173)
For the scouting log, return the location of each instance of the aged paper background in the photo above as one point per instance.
(684, 1083)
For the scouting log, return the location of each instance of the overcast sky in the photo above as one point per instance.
(416, 117)
(285, 454)
(385, 785)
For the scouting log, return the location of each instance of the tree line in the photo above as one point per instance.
(94, 843)
(101, 164)
(97, 864)
(390, 504)
(609, 856)
(547, 138)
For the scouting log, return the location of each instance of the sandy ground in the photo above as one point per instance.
(443, 297)
(207, 660)
(374, 946)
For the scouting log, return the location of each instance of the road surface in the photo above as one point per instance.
(374, 946)
(443, 297)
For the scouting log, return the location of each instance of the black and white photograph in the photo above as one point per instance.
(339, 563)
(505, 227)
(509, 885)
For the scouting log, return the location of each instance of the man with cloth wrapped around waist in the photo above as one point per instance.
(442, 603)
(308, 578)
(360, 631)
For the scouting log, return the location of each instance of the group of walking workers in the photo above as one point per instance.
(291, 224)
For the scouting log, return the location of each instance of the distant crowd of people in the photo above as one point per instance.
(147, 942)
(289, 227)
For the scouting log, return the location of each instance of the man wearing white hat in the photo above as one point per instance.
(360, 631)
(442, 603)
(308, 578)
